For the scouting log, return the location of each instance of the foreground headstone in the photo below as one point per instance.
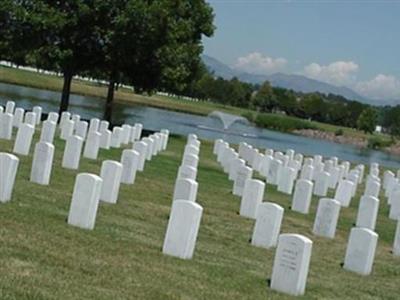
(182, 230)
(360, 251)
(23, 140)
(85, 200)
(53, 117)
(185, 189)
(268, 225)
(72, 152)
(42, 163)
(367, 212)
(8, 169)
(110, 173)
(326, 218)
(291, 264)
(129, 161)
(302, 196)
(253, 195)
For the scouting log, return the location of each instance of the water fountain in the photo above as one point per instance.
(227, 119)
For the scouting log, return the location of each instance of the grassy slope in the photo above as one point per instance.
(41, 257)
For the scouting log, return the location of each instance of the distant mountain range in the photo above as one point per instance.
(298, 83)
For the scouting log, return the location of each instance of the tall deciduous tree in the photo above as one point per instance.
(154, 44)
(367, 120)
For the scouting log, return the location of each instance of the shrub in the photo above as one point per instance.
(339, 132)
(282, 122)
(376, 142)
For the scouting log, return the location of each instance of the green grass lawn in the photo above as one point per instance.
(41, 257)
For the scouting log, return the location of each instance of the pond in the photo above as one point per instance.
(182, 123)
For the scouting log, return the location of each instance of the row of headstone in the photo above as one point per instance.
(90, 189)
(291, 265)
(184, 220)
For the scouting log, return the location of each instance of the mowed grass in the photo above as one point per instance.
(41, 257)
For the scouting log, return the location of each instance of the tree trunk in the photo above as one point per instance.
(109, 102)
(65, 92)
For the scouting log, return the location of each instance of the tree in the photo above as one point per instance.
(154, 44)
(367, 120)
(264, 99)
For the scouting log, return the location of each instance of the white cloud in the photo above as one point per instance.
(259, 64)
(338, 72)
(380, 87)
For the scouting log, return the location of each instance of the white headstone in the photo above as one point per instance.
(67, 129)
(72, 152)
(48, 131)
(38, 112)
(307, 172)
(105, 139)
(6, 126)
(268, 225)
(302, 196)
(8, 169)
(18, 118)
(243, 173)
(321, 184)
(185, 189)
(30, 118)
(190, 160)
(42, 163)
(273, 171)
(286, 180)
(182, 230)
(110, 173)
(81, 129)
(187, 172)
(129, 161)
(103, 126)
(344, 192)
(367, 212)
(23, 140)
(360, 251)
(85, 201)
(253, 195)
(92, 145)
(291, 264)
(396, 243)
(10, 106)
(141, 148)
(52, 117)
(116, 137)
(326, 218)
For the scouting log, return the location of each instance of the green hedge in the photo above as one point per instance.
(282, 122)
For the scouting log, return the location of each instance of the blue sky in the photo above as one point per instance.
(351, 43)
